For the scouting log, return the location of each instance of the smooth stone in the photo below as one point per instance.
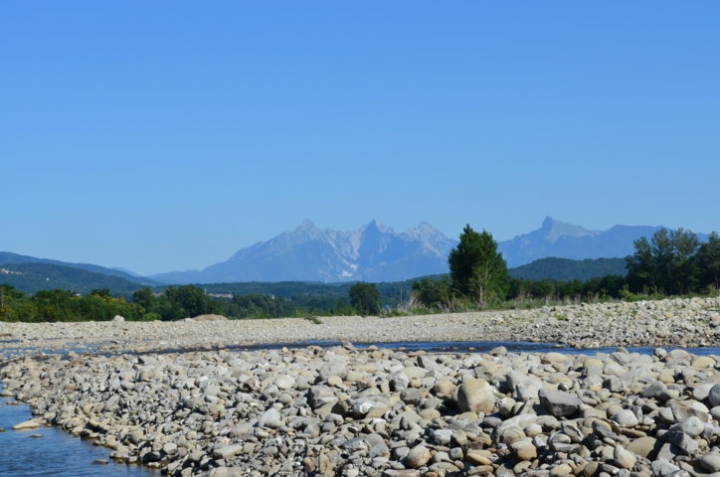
(710, 462)
(625, 418)
(31, 424)
(559, 403)
(692, 426)
(475, 395)
(227, 472)
(644, 446)
(663, 468)
(418, 457)
(624, 458)
(228, 451)
(524, 450)
(703, 362)
(272, 419)
(714, 395)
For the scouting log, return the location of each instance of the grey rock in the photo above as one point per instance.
(559, 403)
(625, 418)
(714, 395)
(710, 462)
(663, 468)
(272, 419)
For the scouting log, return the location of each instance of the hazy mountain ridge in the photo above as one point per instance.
(374, 252)
(8, 258)
(561, 240)
(31, 277)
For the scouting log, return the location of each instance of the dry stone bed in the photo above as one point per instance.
(381, 412)
(668, 323)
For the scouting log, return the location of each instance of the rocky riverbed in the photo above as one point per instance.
(684, 323)
(351, 412)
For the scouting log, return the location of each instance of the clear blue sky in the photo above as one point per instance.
(167, 135)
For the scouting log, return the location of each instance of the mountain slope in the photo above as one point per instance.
(561, 240)
(32, 277)
(372, 253)
(7, 258)
(565, 269)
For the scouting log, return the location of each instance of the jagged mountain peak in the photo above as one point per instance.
(306, 224)
(374, 252)
(553, 229)
(375, 225)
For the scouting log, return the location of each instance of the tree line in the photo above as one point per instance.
(669, 263)
(173, 303)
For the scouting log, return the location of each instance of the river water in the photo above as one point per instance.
(51, 452)
(48, 451)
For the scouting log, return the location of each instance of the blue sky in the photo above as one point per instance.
(166, 135)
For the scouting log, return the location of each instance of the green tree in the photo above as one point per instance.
(55, 305)
(666, 264)
(258, 306)
(477, 270)
(186, 302)
(10, 297)
(432, 293)
(365, 298)
(145, 301)
(708, 261)
(101, 292)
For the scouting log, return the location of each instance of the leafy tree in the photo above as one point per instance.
(185, 302)
(365, 298)
(641, 267)
(55, 305)
(667, 263)
(9, 298)
(258, 306)
(145, 301)
(708, 260)
(477, 270)
(433, 293)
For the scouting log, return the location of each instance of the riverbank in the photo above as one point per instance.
(350, 412)
(668, 323)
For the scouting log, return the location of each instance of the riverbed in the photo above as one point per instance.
(503, 393)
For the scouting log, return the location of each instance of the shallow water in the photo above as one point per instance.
(430, 346)
(466, 346)
(48, 451)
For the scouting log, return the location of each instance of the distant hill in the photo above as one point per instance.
(565, 269)
(561, 240)
(7, 258)
(373, 253)
(32, 277)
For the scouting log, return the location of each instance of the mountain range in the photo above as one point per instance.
(373, 253)
(376, 253)
(562, 240)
